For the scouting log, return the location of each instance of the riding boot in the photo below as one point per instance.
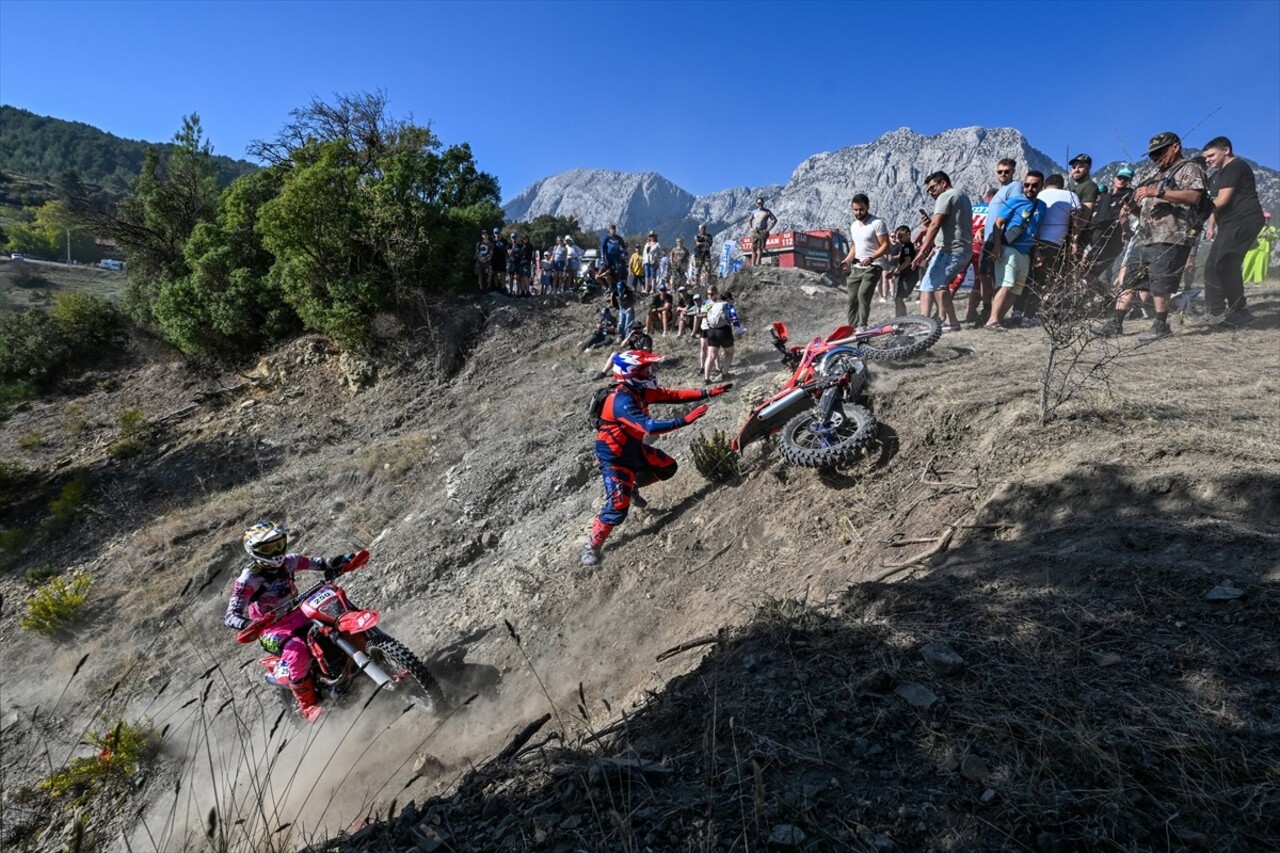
(308, 701)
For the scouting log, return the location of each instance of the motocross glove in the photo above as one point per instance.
(717, 390)
(336, 565)
(695, 414)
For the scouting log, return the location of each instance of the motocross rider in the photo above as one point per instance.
(264, 585)
(625, 461)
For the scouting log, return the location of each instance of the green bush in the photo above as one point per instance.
(119, 751)
(15, 391)
(63, 508)
(11, 542)
(36, 347)
(39, 575)
(55, 605)
(31, 440)
(76, 422)
(714, 456)
(90, 324)
(32, 350)
(134, 435)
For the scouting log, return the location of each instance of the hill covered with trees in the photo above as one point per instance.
(45, 147)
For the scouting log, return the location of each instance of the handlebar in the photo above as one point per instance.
(250, 632)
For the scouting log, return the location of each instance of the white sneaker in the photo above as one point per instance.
(590, 555)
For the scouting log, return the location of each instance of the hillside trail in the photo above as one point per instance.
(473, 482)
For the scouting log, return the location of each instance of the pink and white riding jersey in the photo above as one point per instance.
(257, 592)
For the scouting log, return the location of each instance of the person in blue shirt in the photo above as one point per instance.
(1013, 242)
(613, 251)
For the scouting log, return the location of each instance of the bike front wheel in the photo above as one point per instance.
(806, 440)
(406, 669)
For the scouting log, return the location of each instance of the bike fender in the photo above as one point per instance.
(837, 351)
(357, 621)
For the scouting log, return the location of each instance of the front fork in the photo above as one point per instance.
(827, 404)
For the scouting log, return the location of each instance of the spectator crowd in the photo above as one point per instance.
(1025, 241)
(1034, 240)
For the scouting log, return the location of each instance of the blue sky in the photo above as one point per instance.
(711, 95)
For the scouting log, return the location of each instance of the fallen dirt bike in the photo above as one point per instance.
(346, 642)
(817, 413)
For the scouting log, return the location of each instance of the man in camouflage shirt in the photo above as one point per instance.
(702, 257)
(1167, 227)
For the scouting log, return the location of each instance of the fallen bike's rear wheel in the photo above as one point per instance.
(900, 337)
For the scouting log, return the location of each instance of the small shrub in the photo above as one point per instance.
(108, 385)
(63, 508)
(121, 750)
(11, 542)
(89, 324)
(134, 434)
(56, 604)
(714, 457)
(26, 279)
(132, 421)
(40, 574)
(76, 421)
(15, 391)
(31, 440)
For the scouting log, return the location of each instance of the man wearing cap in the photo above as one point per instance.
(660, 308)
(1237, 219)
(1166, 211)
(1108, 231)
(702, 242)
(1081, 184)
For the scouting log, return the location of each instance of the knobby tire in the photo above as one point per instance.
(396, 659)
(801, 445)
(911, 335)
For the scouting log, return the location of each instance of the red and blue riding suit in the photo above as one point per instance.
(626, 462)
(257, 592)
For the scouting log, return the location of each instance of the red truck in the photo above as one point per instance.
(817, 251)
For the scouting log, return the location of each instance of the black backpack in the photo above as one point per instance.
(596, 410)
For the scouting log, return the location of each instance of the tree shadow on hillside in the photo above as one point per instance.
(146, 484)
(1095, 671)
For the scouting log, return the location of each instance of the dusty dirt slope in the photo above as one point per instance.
(1072, 586)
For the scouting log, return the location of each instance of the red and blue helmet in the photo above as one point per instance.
(634, 368)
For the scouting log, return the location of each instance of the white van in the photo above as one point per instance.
(111, 264)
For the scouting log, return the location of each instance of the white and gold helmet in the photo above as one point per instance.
(266, 542)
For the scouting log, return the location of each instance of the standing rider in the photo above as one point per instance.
(625, 461)
(267, 583)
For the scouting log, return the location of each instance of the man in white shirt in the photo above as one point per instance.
(1056, 229)
(868, 245)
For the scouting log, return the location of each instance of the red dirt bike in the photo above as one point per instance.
(346, 642)
(818, 413)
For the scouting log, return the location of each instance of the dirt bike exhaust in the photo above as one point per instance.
(366, 664)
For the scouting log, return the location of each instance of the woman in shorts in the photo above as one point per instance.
(719, 338)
